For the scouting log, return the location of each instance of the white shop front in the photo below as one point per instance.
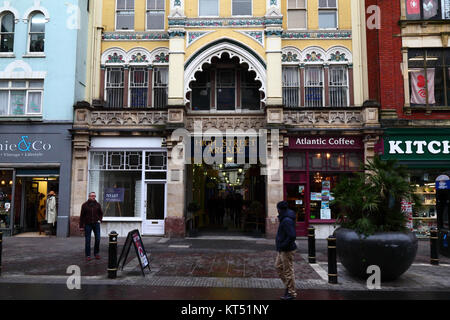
(129, 176)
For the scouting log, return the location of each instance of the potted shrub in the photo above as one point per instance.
(372, 223)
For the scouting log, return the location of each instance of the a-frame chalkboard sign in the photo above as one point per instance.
(134, 238)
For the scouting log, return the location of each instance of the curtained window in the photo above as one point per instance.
(21, 97)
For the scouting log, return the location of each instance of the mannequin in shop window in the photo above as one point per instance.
(41, 212)
(50, 214)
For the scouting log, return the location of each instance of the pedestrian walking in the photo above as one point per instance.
(285, 243)
(90, 218)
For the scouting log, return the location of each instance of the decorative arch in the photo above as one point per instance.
(138, 56)
(313, 55)
(291, 55)
(7, 8)
(205, 54)
(159, 56)
(114, 56)
(19, 69)
(339, 54)
(36, 7)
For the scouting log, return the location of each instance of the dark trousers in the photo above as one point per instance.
(87, 235)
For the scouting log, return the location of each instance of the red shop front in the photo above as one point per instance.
(312, 167)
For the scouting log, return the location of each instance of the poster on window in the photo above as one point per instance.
(413, 7)
(408, 212)
(430, 8)
(419, 86)
(445, 9)
(325, 214)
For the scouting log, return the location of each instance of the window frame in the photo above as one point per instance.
(297, 8)
(156, 85)
(323, 93)
(27, 90)
(440, 12)
(2, 15)
(446, 79)
(296, 70)
(30, 18)
(347, 85)
(122, 86)
(242, 15)
(328, 9)
(134, 16)
(218, 10)
(131, 87)
(220, 85)
(147, 11)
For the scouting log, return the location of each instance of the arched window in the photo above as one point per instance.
(37, 32)
(7, 32)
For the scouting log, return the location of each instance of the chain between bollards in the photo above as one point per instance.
(1, 249)
(311, 245)
(112, 255)
(434, 240)
(332, 263)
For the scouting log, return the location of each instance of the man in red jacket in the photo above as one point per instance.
(90, 218)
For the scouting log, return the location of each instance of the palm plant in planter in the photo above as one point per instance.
(372, 223)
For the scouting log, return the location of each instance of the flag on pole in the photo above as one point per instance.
(419, 86)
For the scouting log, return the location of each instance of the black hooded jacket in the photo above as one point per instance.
(285, 240)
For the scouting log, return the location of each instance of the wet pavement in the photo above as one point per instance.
(218, 268)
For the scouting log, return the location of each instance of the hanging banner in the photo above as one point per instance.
(419, 86)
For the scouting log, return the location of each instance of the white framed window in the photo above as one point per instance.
(7, 32)
(125, 15)
(114, 87)
(291, 87)
(138, 87)
(36, 32)
(208, 8)
(338, 86)
(241, 7)
(328, 14)
(296, 16)
(21, 97)
(314, 86)
(160, 87)
(156, 14)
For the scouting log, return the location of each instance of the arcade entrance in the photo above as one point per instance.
(225, 199)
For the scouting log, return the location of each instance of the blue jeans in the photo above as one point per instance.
(87, 235)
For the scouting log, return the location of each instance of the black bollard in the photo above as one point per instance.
(112, 255)
(1, 249)
(332, 263)
(434, 239)
(311, 245)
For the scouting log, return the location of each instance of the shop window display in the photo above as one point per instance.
(6, 183)
(424, 218)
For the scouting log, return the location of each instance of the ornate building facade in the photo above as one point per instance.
(288, 77)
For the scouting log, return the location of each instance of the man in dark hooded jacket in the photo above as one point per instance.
(285, 243)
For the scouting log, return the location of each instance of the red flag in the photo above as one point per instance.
(413, 7)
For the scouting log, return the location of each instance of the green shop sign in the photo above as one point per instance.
(415, 144)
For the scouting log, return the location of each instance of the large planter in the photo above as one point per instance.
(393, 252)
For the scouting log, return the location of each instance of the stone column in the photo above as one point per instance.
(176, 67)
(176, 191)
(274, 180)
(81, 143)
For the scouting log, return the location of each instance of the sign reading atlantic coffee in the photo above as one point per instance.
(325, 142)
(29, 147)
(416, 145)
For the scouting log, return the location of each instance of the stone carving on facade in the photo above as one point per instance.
(323, 118)
(128, 118)
(241, 122)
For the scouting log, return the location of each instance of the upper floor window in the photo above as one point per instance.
(160, 86)
(429, 77)
(291, 87)
(296, 14)
(114, 87)
(338, 86)
(125, 15)
(155, 14)
(7, 32)
(327, 14)
(37, 32)
(21, 97)
(138, 87)
(208, 8)
(314, 86)
(242, 7)
(427, 9)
